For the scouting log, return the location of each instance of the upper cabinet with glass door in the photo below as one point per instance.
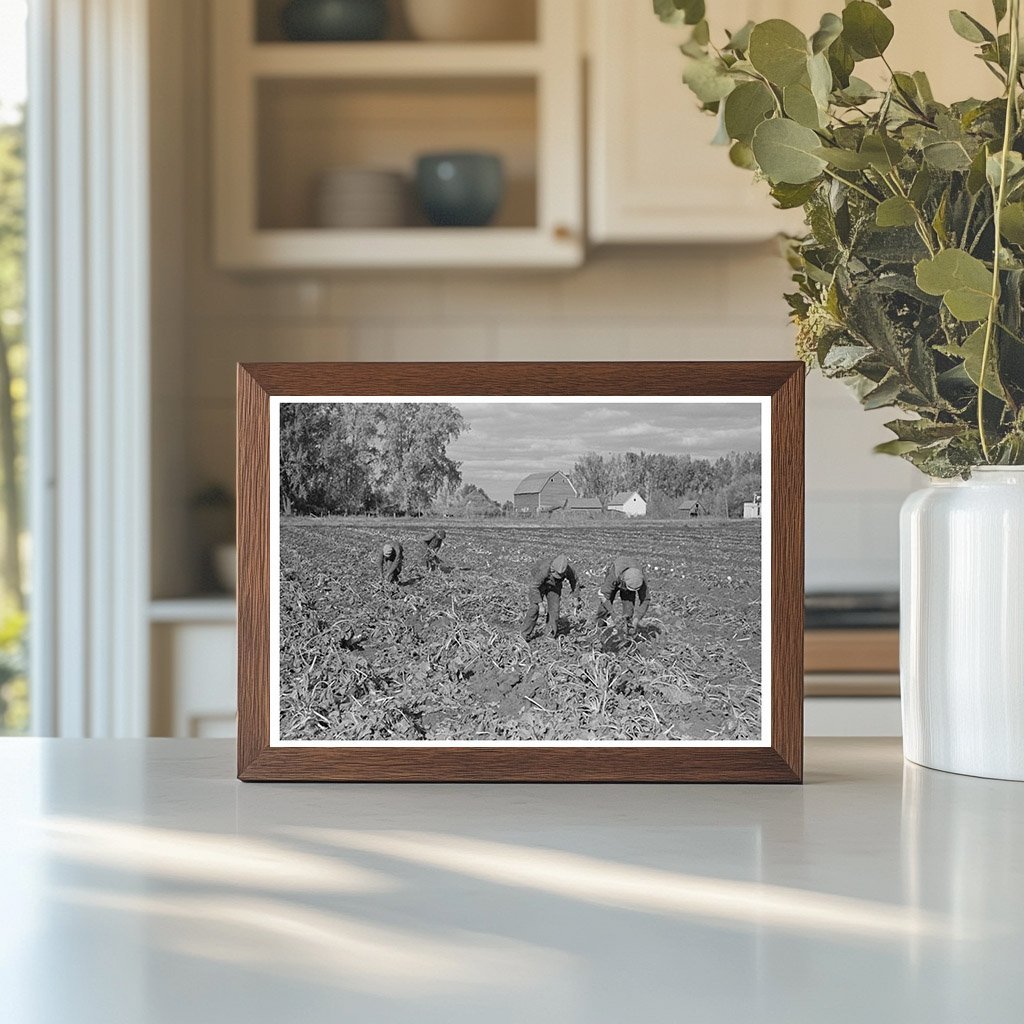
(653, 174)
(447, 134)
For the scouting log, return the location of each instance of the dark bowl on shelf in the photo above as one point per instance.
(462, 190)
(334, 21)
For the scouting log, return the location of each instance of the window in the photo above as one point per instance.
(14, 704)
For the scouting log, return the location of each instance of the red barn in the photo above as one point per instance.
(544, 492)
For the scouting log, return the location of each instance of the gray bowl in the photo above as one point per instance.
(333, 21)
(461, 190)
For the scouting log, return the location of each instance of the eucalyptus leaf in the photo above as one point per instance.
(883, 153)
(947, 156)
(1012, 226)
(842, 61)
(895, 212)
(844, 159)
(676, 12)
(963, 281)
(779, 51)
(972, 352)
(786, 152)
(829, 30)
(739, 41)
(866, 29)
(708, 81)
(999, 8)
(800, 105)
(741, 155)
(745, 108)
(969, 28)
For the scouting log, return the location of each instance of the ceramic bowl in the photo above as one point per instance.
(460, 189)
(334, 20)
(471, 20)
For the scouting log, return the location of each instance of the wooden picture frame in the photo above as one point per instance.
(778, 757)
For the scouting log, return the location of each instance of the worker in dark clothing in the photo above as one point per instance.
(625, 579)
(433, 545)
(389, 562)
(545, 584)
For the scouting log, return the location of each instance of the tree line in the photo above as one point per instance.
(721, 485)
(366, 457)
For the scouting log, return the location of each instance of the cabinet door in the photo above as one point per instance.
(654, 175)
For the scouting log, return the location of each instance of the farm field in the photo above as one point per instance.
(441, 657)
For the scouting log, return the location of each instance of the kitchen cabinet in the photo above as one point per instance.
(287, 113)
(653, 175)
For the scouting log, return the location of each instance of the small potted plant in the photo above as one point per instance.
(908, 289)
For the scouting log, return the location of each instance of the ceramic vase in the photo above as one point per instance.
(962, 624)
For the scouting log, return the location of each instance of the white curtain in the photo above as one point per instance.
(88, 318)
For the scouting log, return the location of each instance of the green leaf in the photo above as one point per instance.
(963, 281)
(895, 447)
(999, 6)
(1014, 169)
(921, 185)
(801, 106)
(746, 107)
(820, 77)
(789, 197)
(969, 28)
(866, 29)
(841, 60)
(896, 212)
(884, 395)
(924, 87)
(785, 152)
(947, 156)
(844, 159)
(741, 155)
(1012, 226)
(923, 431)
(976, 174)
(739, 41)
(883, 153)
(708, 80)
(778, 50)
(830, 29)
(675, 12)
(971, 352)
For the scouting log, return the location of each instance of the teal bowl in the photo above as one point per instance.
(460, 190)
(334, 21)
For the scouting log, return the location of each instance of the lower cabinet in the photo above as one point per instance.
(193, 678)
(194, 687)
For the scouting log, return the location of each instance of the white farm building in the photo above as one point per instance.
(629, 503)
(752, 509)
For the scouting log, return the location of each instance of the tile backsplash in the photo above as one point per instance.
(717, 302)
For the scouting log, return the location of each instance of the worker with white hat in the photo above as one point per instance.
(389, 562)
(545, 586)
(626, 580)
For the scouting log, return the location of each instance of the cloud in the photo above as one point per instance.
(508, 441)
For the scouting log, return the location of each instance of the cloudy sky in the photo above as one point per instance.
(508, 441)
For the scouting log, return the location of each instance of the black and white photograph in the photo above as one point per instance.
(492, 570)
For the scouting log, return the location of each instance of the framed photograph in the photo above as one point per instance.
(520, 572)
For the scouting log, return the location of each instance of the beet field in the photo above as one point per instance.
(441, 657)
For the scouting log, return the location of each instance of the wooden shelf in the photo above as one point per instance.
(393, 60)
(401, 247)
(852, 650)
(285, 112)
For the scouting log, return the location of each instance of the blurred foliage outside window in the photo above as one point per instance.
(14, 704)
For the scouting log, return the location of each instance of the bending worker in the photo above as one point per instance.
(626, 579)
(433, 545)
(389, 562)
(545, 583)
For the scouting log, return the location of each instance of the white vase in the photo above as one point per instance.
(962, 624)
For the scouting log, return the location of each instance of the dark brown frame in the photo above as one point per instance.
(782, 761)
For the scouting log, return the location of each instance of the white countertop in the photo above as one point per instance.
(143, 885)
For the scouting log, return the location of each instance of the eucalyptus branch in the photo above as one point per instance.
(1000, 199)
